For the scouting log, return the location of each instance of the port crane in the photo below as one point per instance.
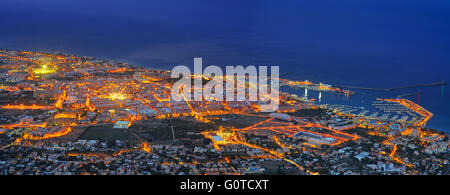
(411, 94)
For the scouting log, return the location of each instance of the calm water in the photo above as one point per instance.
(375, 43)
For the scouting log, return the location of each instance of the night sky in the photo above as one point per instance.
(374, 43)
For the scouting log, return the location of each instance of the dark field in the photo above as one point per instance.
(106, 132)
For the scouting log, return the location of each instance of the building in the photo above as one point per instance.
(121, 125)
(26, 120)
(362, 155)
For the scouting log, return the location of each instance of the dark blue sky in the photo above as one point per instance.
(379, 43)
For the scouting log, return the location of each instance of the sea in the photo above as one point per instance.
(375, 43)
